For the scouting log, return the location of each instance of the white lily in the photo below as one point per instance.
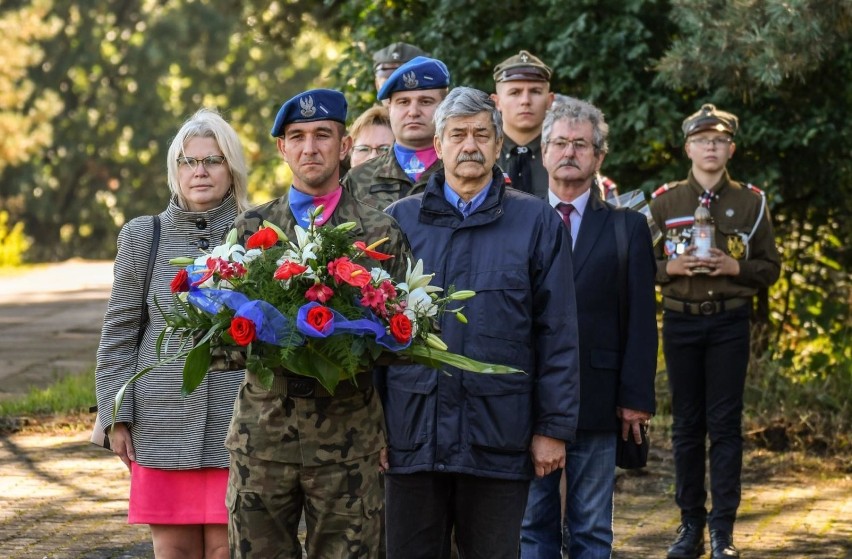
(420, 304)
(416, 279)
(378, 275)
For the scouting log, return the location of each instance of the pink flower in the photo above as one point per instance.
(374, 299)
(388, 289)
(319, 292)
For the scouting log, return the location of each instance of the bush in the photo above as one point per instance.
(13, 242)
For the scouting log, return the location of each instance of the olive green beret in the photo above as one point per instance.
(522, 66)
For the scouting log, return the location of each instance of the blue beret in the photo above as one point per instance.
(316, 104)
(418, 73)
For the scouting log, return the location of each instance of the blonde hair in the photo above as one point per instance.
(374, 116)
(207, 123)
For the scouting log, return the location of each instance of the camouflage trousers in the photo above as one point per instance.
(342, 503)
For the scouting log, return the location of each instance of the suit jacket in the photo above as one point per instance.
(614, 372)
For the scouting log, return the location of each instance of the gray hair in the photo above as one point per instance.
(467, 101)
(207, 123)
(575, 111)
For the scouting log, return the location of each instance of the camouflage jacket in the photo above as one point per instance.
(743, 230)
(314, 431)
(381, 181)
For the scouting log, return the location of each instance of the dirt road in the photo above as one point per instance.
(62, 498)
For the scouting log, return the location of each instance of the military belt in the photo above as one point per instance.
(306, 387)
(704, 307)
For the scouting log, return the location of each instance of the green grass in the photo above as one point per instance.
(71, 393)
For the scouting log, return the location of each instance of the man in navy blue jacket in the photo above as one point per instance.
(463, 447)
(618, 354)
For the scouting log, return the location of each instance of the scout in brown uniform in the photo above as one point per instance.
(522, 94)
(414, 90)
(706, 301)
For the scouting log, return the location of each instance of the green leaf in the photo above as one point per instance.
(195, 367)
(434, 357)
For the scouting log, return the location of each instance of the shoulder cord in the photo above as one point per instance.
(759, 216)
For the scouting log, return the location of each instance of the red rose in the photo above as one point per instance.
(319, 317)
(180, 283)
(400, 327)
(265, 238)
(242, 330)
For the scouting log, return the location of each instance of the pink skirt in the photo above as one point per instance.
(177, 496)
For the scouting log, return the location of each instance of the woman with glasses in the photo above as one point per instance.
(371, 135)
(173, 444)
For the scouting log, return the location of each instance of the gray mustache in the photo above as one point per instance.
(568, 163)
(476, 157)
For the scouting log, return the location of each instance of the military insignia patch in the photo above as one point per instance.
(307, 107)
(736, 246)
(410, 80)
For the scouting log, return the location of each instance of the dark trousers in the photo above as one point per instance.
(707, 358)
(422, 509)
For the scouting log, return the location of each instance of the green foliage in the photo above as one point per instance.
(13, 242)
(70, 393)
(123, 76)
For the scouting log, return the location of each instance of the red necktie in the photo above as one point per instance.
(565, 210)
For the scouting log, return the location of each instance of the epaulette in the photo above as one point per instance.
(665, 188)
(755, 189)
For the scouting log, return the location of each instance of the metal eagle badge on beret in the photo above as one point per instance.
(307, 107)
(410, 80)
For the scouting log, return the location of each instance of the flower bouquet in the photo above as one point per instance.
(307, 306)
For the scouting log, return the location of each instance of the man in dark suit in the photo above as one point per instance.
(617, 354)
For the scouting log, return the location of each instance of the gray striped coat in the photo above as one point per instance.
(169, 431)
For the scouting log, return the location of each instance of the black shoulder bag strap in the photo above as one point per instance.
(152, 257)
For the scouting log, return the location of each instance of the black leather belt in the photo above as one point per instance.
(704, 307)
(306, 387)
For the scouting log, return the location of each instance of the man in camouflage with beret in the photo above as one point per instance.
(295, 447)
(388, 59)
(522, 85)
(414, 90)
(707, 298)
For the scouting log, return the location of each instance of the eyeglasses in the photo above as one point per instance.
(364, 149)
(707, 142)
(209, 162)
(579, 146)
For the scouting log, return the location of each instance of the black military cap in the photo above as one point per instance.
(710, 118)
(395, 55)
(522, 66)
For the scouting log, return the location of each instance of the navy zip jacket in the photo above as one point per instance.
(515, 253)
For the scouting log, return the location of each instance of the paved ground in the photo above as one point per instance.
(62, 498)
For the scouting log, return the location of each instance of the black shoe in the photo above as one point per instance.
(722, 545)
(689, 543)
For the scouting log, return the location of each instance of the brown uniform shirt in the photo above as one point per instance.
(743, 230)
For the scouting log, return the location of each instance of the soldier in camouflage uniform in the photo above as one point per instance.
(706, 301)
(295, 447)
(415, 90)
